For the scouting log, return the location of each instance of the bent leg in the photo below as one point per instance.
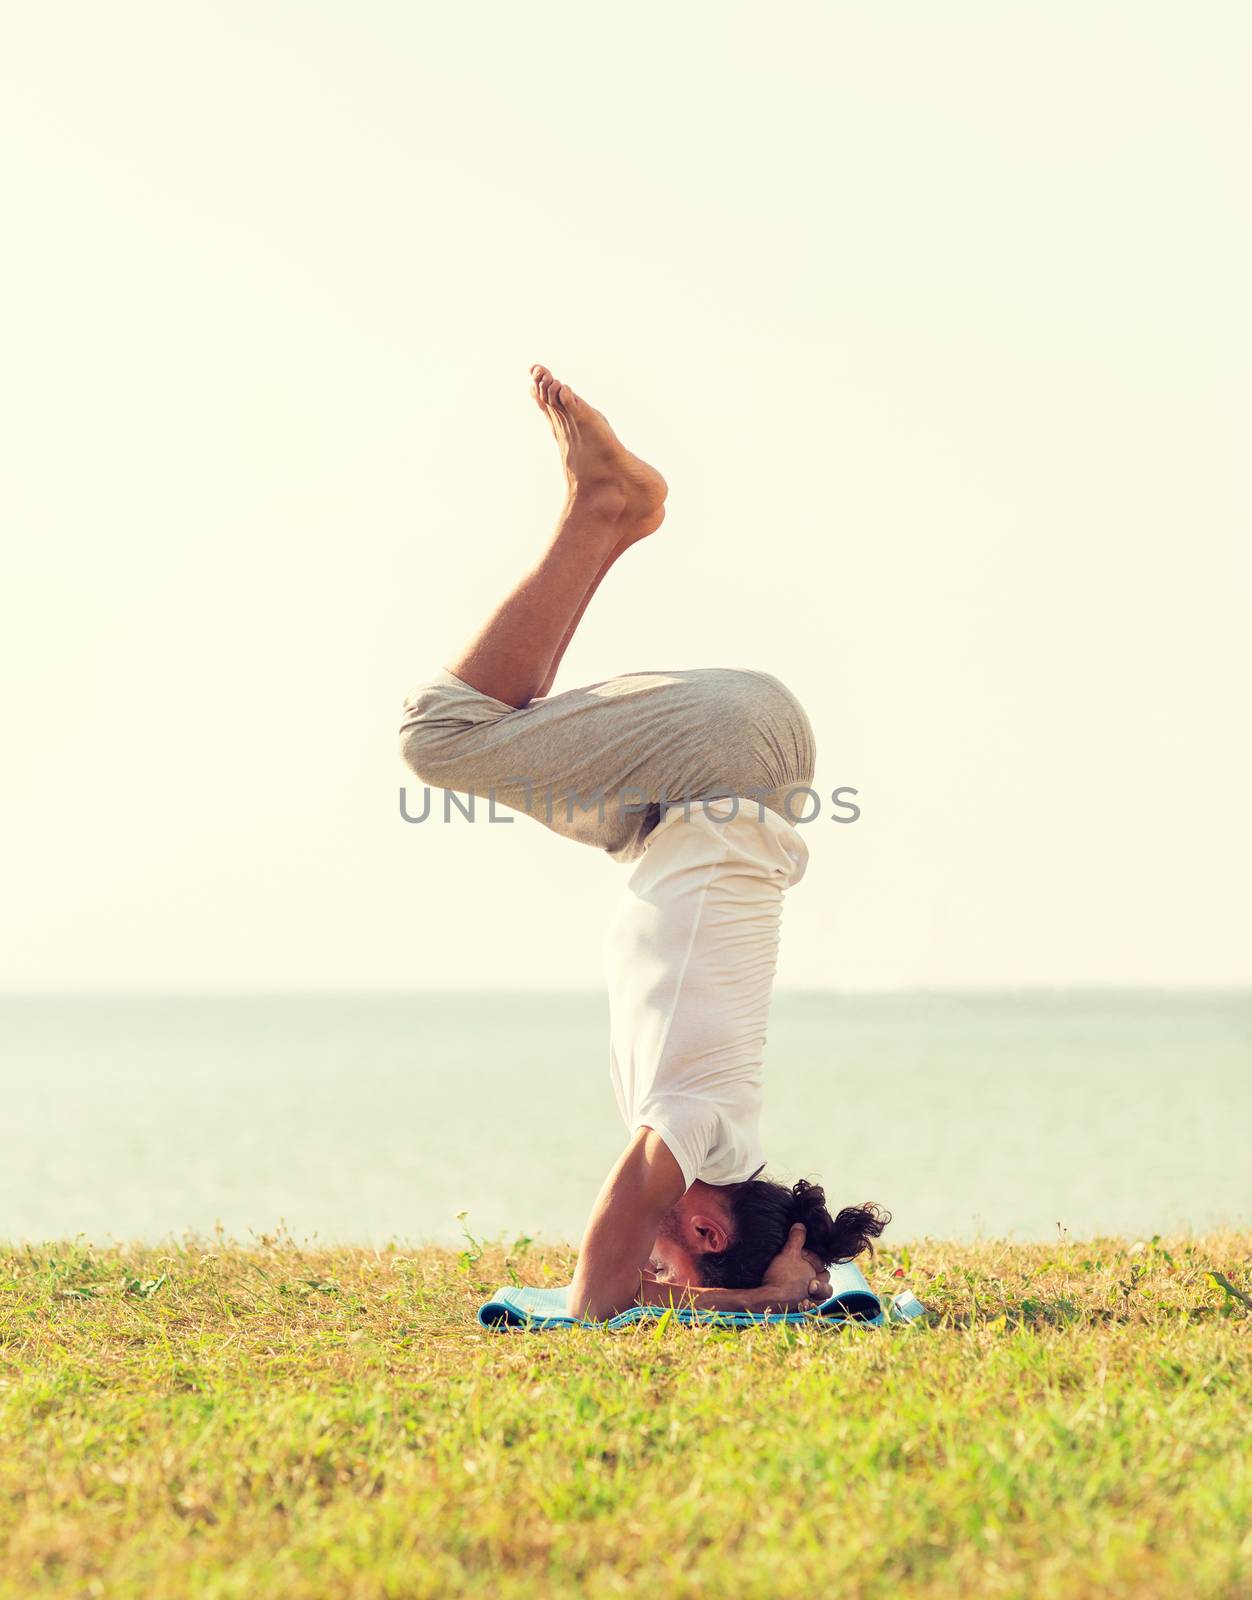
(613, 498)
(597, 764)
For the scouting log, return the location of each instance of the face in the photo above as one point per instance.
(700, 1224)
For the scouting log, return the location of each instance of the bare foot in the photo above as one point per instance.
(599, 468)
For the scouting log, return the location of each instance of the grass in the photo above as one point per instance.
(283, 1421)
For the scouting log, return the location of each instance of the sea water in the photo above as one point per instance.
(370, 1118)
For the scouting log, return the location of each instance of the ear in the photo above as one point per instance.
(710, 1234)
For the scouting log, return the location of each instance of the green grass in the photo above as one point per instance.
(283, 1421)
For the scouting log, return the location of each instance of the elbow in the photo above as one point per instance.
(598, 1308)
(595, 1302)
(604, 1313)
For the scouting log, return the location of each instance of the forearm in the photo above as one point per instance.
(657, 1292)
(644, 1183)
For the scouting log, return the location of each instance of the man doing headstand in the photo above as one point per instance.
(687, 774)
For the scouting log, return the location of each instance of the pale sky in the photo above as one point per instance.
(936, 320)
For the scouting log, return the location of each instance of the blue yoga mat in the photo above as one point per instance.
(851, 1300)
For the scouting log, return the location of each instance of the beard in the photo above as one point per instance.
(667, 1227)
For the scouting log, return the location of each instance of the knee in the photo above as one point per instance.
(416, 750)
(423, 731)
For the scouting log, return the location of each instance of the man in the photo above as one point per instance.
(688, 774)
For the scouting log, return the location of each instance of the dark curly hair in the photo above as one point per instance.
(764, 1212)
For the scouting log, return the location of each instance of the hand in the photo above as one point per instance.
(795, 1280)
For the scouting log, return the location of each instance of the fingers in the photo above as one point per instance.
(819, 1290)
(795, 1239)
(800, 1276)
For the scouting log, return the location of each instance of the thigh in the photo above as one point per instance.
(597, 763)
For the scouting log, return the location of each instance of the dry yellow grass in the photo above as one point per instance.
(217, 1421)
